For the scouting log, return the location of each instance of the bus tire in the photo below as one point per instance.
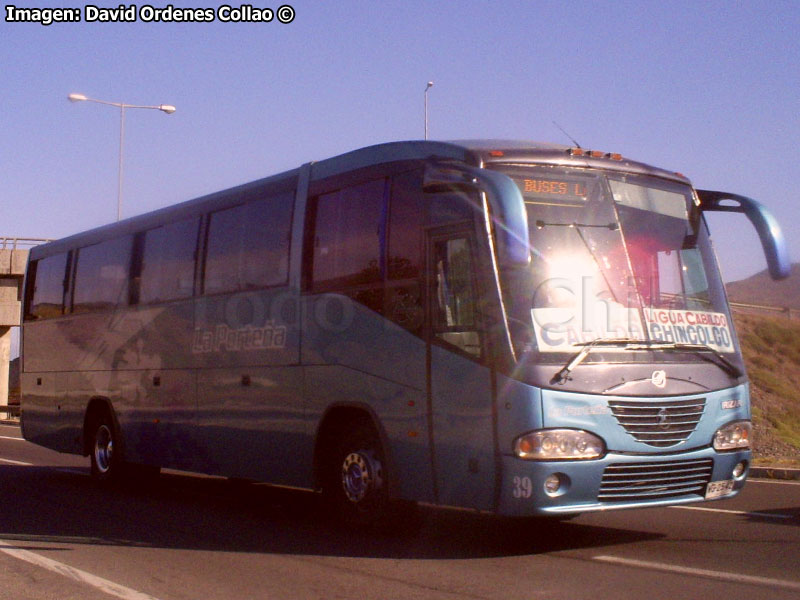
(356, 483)
(105, 449)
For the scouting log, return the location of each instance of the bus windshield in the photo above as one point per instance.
(614, 256)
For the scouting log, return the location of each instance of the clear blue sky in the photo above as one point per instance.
(709, 89)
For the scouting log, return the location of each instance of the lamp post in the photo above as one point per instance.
(427, 87)
(166, 108)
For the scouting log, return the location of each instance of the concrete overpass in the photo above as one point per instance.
(13, 261)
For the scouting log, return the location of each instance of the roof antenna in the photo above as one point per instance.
(574, 141)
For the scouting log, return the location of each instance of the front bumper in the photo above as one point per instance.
(618, 481)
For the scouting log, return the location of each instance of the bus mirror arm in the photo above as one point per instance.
(505, 202)
(767, 227)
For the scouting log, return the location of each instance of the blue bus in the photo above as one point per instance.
(515, 328)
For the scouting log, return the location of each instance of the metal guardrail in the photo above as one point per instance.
(14, 243)
(786, 311)
(10, 411)
(743, 306)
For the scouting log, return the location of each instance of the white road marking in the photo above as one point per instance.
(774, 481)
(104, 585)
(16, 462)
(736, 512)
(8, 437)
(720, 575)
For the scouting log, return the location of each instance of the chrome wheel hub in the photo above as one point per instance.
(103, 448)
(361, 473)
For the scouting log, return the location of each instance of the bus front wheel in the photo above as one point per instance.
(356, 482)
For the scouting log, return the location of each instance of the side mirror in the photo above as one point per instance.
(767, 227)
(505, 201)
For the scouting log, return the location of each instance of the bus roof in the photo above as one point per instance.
(486, 152)
(472, 152)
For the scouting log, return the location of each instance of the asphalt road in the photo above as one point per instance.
(181, 536)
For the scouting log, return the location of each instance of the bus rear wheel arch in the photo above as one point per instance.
(104, 444)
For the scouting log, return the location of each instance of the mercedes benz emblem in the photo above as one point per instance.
(659, 378)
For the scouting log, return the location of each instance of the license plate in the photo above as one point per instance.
(717, 489)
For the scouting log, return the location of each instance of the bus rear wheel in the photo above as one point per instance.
(106, 458)
(356, 481)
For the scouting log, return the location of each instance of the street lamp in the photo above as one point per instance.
(427, 87)
(166, 108)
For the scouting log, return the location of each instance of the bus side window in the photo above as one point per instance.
(265, 245)
(101, 275)
(223, 250)
(404, 298)
(446, 207)
(248, 245)
(45, 296)
(347, 243)
(167, 271)
(454, 302)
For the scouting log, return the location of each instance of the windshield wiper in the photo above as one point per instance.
(635, 344)
(542, 224)
(577, 359)
(701, 350)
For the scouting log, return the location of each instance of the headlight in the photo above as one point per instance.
(733, 436)
(559, 444)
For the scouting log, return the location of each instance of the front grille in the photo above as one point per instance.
(655, 480)
(659, 423)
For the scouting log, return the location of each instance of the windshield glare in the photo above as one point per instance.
(613, 256)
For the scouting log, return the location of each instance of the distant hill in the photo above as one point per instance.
(771, 349)
(761, 289)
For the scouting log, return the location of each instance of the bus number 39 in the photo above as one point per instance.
(523, 487)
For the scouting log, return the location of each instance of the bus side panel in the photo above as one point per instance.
(156, 414)
(463, 430)
(250, 408)
(43, 397)
(355, 357)
(150, 382)
(52, 349)
(251, 425)
(519, 411)
(136, 359)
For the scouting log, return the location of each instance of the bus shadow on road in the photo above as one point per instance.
(777, 516)
(48, 507)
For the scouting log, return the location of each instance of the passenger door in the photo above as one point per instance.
(461, 396)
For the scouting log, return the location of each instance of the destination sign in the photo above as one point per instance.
(537, 189)
(690, 327)
(560, 329)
